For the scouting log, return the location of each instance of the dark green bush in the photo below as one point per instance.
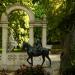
(69, 71)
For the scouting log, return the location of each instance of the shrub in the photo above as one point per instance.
(25, 70)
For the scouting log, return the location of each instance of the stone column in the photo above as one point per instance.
(44, 35)
(4, 21)
(31, 35)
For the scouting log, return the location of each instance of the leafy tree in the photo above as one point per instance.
(55, 11)
(61, 25)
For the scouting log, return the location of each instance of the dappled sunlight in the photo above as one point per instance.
(20, 26)
(57, 4)
(26, 38)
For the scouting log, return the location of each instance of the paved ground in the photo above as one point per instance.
(54, 70)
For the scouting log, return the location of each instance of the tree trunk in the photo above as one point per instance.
(65, 54)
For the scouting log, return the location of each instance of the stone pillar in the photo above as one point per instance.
(44, 35)
(4, 21)
(31, 35)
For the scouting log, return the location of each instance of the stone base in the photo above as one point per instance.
(14, 60)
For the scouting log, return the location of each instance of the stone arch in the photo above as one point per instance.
(4, 20)
(4, 25)
(25, 8)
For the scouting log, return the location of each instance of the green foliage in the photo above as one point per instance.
(39, 11)
(54, 17)
(61, 22)
(55, 11)
(37, 32)
(59, 18)
(19, 23)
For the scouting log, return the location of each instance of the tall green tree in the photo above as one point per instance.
(55, 11)
(61, 24)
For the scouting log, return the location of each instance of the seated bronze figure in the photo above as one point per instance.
(37, 50)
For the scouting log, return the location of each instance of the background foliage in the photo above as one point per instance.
(61, 27)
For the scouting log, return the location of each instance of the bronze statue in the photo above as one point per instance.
(36, 51)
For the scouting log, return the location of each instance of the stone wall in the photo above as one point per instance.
(14, 60)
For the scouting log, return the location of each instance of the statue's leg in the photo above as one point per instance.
(43, 57)
(31, 61)
(28, 59)
(48, 59)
